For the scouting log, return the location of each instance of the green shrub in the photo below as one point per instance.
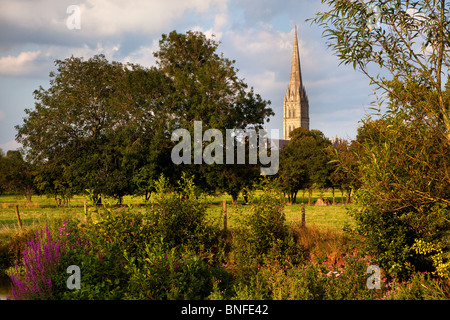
(129, 254)
(178, 216)
(391, 235)
(348, 281)
(309, 281)
(97, 248)
(264, 225)
(262, 237)
(161, 273)
(403, 163)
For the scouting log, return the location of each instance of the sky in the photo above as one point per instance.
(257, 34)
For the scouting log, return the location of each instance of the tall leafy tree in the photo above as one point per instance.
(205, 87)
(345, 174)
(206, 84)
(404, 151)
(106, 126)
(16, 175)
(94, 123)
(304, 162)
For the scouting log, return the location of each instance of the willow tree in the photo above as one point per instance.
(404, 153)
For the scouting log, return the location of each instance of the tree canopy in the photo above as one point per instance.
(305, 162)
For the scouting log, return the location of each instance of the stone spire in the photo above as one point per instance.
(296, 74)
(296, 104)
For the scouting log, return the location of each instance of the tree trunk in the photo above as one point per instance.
(28, 194)
(245, 195)
(234, 197)
(334, 202)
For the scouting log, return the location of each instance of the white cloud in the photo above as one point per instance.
(10, 145)
(40, 62)
(143, 56)
(24, 63)
(256, 41)
(103, 17)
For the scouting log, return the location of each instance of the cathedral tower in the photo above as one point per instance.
(296, 105)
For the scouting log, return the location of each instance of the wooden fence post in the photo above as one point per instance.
(19, 222)
(225, 222)
(85, 211)
(303, 215)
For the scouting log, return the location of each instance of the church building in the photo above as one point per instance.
(296, 105)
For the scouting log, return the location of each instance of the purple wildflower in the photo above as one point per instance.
(40, 258)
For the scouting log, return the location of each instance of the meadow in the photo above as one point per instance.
(44, 208)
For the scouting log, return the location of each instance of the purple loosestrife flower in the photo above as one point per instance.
(40, 259)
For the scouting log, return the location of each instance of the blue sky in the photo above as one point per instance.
(257, 34)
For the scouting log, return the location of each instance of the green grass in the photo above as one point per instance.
(331, 216)
(44, 209)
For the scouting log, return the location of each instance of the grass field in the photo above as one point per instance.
(44, 209)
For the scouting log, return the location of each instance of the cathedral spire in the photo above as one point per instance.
(296, 104)
(295, 84)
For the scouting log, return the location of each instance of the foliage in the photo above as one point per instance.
(116, 245)
(437, 256)
(124, 253)
(403, 156)
(304, 162)
(266, 222)
(161, 273)
(263, 235)
(177, 217)
(94, 124)
(309, 281)
(106, 126)
(410, 44)
(403, 190)
(206, 88)
(16, 175)
(419, 286)
(346, 174)
(205, 85)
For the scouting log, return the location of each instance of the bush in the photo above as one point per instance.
(161, 273)
(309, 281)
(403, 163)
(11, 251)
(265, 224)
(121, 247)
(99, 252)
(262, 237)
(178, 216)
